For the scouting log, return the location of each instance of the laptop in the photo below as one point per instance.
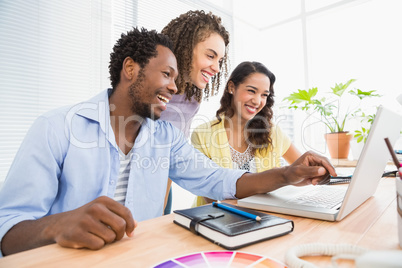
(303, 201)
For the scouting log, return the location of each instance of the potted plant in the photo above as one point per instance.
(332, 112)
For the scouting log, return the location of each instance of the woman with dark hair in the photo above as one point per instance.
(200, 44)
(243, 136)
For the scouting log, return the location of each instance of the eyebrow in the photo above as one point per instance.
(256, 88)
(252, 87)
(173, 70)
(213, 51)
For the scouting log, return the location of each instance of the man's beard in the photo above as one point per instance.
(136, 93)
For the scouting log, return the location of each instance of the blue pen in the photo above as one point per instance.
(239, 212)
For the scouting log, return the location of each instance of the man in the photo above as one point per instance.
(78, 165)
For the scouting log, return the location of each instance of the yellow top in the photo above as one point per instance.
(212, 141)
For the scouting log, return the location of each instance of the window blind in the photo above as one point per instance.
(50, 53)
(44, 64)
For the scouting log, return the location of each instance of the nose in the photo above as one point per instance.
(256, 100)
(215, 67)
(172, 87)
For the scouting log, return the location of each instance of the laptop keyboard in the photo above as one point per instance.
(320, 197)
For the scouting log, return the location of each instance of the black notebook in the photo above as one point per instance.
(230, 230)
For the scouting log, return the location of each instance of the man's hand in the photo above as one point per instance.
(310, 168)
(92, 226)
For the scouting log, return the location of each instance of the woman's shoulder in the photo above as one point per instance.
(276, 131)
(208, 126)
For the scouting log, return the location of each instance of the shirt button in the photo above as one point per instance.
(112, 182)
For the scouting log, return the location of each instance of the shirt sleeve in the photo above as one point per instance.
(31, 184)
(281, 141)
(198, 139)
(196, 173)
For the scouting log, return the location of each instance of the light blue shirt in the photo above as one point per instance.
(70, 157)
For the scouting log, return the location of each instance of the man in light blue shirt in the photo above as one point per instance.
(61, 185)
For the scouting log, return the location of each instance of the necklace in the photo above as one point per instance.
(242, 160)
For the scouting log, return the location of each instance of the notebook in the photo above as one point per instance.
(231, 230)
(297, 201)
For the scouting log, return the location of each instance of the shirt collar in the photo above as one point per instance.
(97, 109)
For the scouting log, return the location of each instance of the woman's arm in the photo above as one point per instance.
(292, 154)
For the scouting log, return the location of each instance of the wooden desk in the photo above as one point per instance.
(373, 225)
(343, 162)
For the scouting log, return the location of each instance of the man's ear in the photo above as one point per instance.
(130, 69)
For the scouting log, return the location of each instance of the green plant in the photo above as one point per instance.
(328, 106)
(365, 121)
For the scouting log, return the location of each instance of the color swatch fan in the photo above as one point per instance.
(215, 259)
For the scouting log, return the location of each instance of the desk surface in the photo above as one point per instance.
(372, 225)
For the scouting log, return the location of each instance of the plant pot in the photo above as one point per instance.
(338, 144)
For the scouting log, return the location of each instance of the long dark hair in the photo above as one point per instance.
(186, 31)
(258, 129)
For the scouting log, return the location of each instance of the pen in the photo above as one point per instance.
(236, 211)
(394, 157)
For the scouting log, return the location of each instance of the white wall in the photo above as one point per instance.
(339, 40)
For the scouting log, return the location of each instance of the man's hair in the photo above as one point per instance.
(186, 31)
(258, 129)
(140, 45)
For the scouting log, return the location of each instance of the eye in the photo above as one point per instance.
(211, 56)
(265, 95)
(251, 91)
(166, 74)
